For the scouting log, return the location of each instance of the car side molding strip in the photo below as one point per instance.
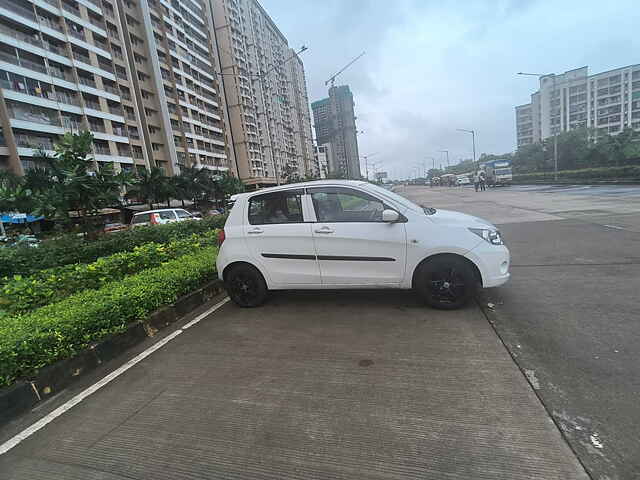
(342, 258)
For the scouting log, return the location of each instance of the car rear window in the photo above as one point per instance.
(183, 214)
(277, 207)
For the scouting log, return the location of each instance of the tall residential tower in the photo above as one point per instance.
(139, 75)
(608, 102)
(335, 124)
(266, 95)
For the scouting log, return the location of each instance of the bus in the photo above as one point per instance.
(498, 172)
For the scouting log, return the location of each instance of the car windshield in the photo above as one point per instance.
(395, 197)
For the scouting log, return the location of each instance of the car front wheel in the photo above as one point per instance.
(446, 282)
(246, 286)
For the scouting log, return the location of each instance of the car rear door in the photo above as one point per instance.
(354, 246)
(279, 238)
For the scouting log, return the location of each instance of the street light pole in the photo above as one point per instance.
(473, 140)
(447, 152)
(555, 131)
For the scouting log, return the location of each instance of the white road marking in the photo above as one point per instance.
(27, 432)
(614, 226)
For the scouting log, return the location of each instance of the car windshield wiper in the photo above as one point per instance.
(428, 210)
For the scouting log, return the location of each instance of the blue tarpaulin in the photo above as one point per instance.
(19, 218)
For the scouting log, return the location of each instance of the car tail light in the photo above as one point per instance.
(155, 218)
(221, 237)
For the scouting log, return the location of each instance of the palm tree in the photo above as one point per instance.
(151, 186)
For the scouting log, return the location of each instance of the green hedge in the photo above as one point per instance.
(71, 249)
(630, 171)
(60, 330)
(21, 294)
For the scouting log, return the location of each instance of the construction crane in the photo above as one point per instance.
(332, 79)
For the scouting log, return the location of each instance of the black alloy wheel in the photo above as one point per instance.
(446, 282)
(246, 286)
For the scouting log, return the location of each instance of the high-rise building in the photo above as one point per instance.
(335, 123)
(608, 102)
(323, 157)
(140, 75)
(265, 89)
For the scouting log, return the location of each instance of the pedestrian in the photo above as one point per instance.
(476, 180)
(483, 181)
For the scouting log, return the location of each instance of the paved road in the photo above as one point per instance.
(354, 385)
(569, 315)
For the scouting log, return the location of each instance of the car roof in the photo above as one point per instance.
(289, 186)
(159, 210)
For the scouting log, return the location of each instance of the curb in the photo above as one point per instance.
(25, 394)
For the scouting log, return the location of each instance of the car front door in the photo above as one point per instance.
(354, 246)
(280, 240)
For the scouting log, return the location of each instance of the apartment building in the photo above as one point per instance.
(266, 96)
(608, 102)
(140, 75)
(322, 159)
(335, 123)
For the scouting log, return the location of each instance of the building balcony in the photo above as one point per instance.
(28, 64)
(81, 57)
(19, 9)
(71, 9)
(37, 143)
(87, 81)
(78, 35)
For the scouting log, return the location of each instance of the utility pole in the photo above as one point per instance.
(447, 152)
(473, 139)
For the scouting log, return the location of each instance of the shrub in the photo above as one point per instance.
(22, 294)
(71, 249)
(60, 330)
(594, 174)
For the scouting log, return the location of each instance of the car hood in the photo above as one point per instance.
(449, 217)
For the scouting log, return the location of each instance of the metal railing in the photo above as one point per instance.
(34, 115)
(20, 10)
(78, 35)
(81, 57)
(27, 141)
(71, 9)
(87, 81)
(22, 62)
(21, 36)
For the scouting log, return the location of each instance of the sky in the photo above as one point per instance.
(432, 67)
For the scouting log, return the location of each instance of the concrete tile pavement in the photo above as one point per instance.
(313, 385)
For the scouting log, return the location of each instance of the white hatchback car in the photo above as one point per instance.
(338, 234)
(161, 216)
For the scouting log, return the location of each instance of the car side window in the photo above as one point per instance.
(183, 214)
(277, 207)
(167, 215)
(334, 204)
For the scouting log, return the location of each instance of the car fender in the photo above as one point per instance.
(416, 256)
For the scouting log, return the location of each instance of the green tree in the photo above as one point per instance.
(150, 186)
(77, 183)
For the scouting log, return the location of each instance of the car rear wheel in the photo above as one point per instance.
(246, 286)
(446, 282)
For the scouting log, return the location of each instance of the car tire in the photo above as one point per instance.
(246, 286)
(446, 282)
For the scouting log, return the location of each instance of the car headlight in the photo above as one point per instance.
(491, 236)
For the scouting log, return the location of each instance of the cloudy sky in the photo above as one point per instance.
(434, 66)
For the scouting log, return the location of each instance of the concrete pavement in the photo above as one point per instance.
(569, 314)
(311, 386)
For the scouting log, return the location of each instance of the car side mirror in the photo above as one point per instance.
(390, 216)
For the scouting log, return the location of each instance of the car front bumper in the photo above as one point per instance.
(493, 261)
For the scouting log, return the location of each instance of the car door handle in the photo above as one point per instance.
(324, 230)
(255, 231)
